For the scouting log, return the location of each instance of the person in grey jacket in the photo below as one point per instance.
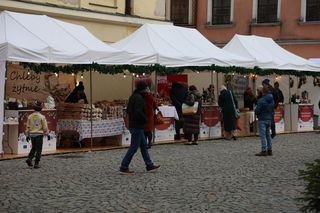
(265, 113)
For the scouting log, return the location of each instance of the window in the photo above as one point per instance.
(180, 11)
(313, 10)
(267, 11)
(221, 12)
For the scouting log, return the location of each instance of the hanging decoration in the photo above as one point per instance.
(302, 80)
(316, 81)
(291, 82)
(147, 69)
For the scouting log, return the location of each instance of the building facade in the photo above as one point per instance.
(293, 24)
(109, 20)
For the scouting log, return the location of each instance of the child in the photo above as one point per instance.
(36, 128)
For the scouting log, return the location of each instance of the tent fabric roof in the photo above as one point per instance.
(178, 46)
(268, 54)
(41, 39)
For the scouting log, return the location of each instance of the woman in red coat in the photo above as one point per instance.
(151, 105)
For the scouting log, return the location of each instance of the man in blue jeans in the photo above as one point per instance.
(137, 113)
(265, 114)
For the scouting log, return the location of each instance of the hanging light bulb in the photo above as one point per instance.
(198, 72)
(56, 74)
(124, 75)
(137, 76)
(72, 74)
(133, 74)
(81, 76)
(28, 72)
(143, 74)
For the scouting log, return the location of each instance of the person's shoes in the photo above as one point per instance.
(273, 135)
(262, 154)
(126, 171)
(177, 137)
(29, 162)
(188, 143)
(153, 168)
(149, 146)
(36, 166)
(234, 138)
(269, 152)
(194, 143)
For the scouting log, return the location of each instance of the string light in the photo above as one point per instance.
(124, 75)
(133, 74)
(143, 74)
(72, 74)
(56, 74)
(198, 72)
(28, 72)
(81, 76)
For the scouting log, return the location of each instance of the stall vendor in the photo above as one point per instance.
(249, 99)
(208, 94)
(77, 94)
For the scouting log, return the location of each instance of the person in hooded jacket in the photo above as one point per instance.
(191, 125)
(265, 114)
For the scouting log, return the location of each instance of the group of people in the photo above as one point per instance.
(141, 111)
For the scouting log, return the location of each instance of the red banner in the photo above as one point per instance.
(305, 112)
(278, 113)
(210, 115)
(164, 83)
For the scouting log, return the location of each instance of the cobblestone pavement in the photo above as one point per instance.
(215, 176)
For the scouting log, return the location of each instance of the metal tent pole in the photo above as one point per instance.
(91, 122)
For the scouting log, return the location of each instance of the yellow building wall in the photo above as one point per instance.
(149, 8)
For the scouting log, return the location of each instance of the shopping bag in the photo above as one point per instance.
(158, 118)
(190, 110)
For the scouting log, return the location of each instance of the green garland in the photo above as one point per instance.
(147, 69)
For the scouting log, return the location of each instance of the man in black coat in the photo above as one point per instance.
(178, 94)
(137, 113)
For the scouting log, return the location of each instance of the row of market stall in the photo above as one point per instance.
(38, 49)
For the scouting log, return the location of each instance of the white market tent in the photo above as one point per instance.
(41, 39)
(178, 46)
(268, 54)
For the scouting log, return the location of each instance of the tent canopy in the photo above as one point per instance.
(268, 54)
(178, 46)
(41, 39)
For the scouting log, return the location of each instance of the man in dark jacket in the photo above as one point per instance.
(178, 94)
(265, 114)
(137, 113)
(278, 92)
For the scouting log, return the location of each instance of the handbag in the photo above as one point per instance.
(158, 118)
(237, 111)
(190, 110)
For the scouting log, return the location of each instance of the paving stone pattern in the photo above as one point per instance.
(215, 176)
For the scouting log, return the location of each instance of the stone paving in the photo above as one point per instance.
(215, 176)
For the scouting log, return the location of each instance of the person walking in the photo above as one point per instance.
(37, 127)
(265, 114)
(151, 105)
(178, 94)
(191, 125)
(229, 105)
(137, 113)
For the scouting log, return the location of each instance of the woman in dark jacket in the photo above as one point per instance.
(151, 105)
(191, 124)
(228, 111)
(249, 99)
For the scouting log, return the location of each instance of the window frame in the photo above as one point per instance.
(255, 13)
(210, 13)
(303, 17)
(168, 11)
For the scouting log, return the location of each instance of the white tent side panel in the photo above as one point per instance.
(2, 85)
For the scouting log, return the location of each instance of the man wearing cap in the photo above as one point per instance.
(266, 85)
(137, 113)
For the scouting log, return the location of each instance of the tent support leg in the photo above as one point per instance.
(91, 124)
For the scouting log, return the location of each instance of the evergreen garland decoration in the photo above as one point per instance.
(147, 69)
